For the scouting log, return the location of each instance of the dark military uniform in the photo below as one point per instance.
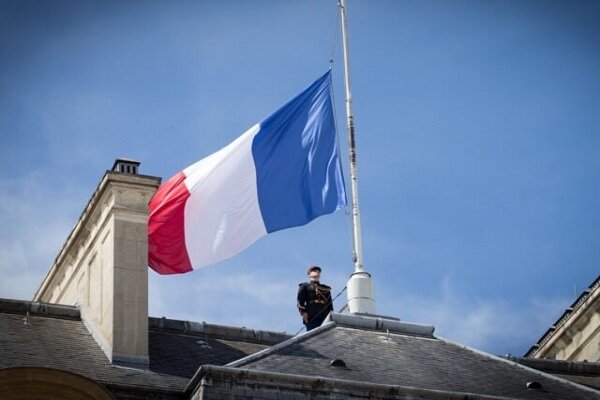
(315, 299)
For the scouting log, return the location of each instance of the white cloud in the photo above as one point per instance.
(494, 325)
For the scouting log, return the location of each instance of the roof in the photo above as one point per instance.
(377, 352)
(180, 347)
(384, 352)
(584, 373)
(54, 336)
(566, 315)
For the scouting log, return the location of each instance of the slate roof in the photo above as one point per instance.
(57, 338)
(399, 355)
(44, 335)
(180, 347)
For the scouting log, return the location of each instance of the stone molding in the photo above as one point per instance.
(574, 334)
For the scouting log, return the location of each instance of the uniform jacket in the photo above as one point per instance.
(315, 299)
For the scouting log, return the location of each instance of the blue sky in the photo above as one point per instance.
(477, 131)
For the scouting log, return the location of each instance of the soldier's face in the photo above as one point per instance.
(314, 276)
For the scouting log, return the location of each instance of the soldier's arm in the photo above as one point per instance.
(302, 298)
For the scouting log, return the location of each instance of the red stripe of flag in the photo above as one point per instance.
(167, 253)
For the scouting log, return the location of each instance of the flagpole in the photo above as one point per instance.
(360, 289)
(356, 232)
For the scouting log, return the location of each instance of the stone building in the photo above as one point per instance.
(575, 336)
(570, 348)
(87, 335)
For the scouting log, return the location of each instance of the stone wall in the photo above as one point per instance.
(103, 269)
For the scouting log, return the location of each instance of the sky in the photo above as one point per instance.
(477, 131)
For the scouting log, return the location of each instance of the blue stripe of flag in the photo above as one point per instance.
(298, 170)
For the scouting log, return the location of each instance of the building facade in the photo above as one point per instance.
(575, 336)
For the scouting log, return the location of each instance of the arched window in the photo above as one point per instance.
(47, 383)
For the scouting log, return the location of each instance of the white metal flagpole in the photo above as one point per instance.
(360, 288)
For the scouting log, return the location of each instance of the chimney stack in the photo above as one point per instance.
(103, 265)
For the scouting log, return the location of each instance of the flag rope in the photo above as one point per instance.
(347, 209)
(334, 38)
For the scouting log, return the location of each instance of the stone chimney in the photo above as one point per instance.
(103, 265)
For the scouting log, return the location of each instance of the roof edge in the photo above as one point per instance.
(323, 383)
(221, 331)
(559, 366)
(25, 307)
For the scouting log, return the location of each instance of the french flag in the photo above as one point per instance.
(284, 171)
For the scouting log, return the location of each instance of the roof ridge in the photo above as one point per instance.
(279, 346)
(381, 323)
(25, 307)
(345, 321)
(214, 330)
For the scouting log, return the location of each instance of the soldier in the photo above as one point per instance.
(314, 299)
